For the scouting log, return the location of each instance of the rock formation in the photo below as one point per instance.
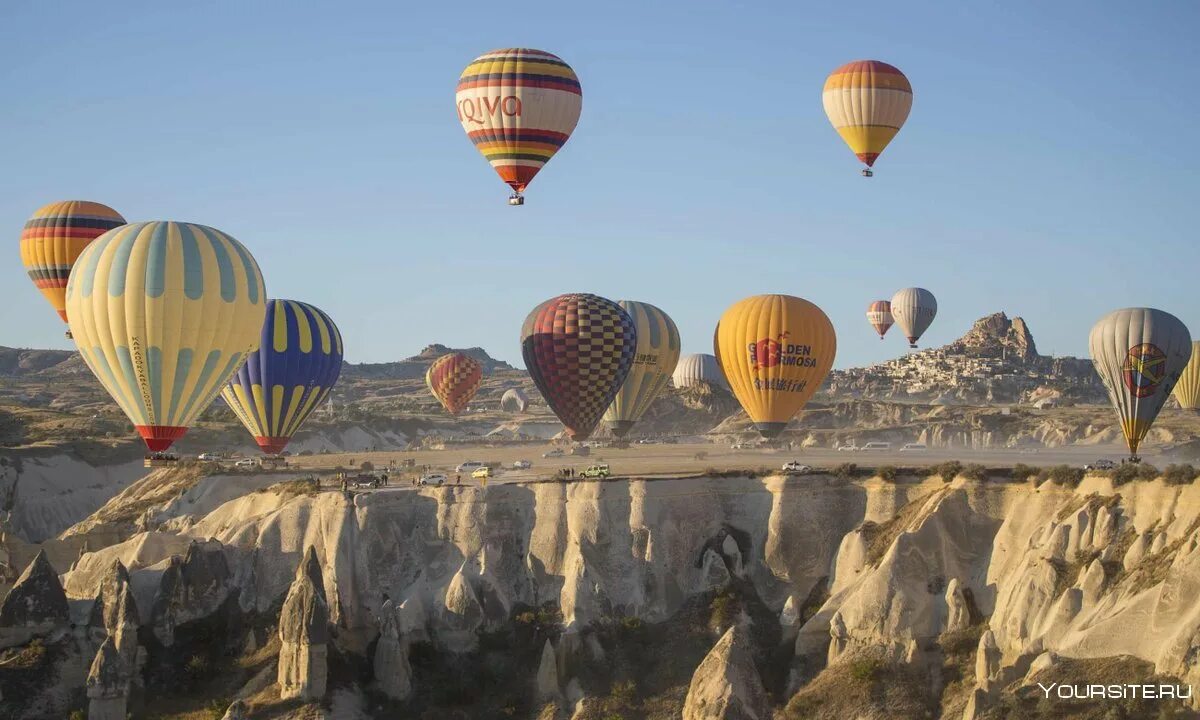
(393, 674)
(304, 632)
(191, 587)
(547, 688)
(727, 685)
(37, 601)
(108, 684)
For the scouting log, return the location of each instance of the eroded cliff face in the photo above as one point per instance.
(838, 569)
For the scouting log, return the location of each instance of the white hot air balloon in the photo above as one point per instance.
(913, 309)
(1139, 353)
(514, 401)
(698, 368)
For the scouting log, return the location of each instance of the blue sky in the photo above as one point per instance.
(1045, 169)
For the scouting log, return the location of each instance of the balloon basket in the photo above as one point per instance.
(160, 460)
(867, 172)
(68, 335)
(516, 199)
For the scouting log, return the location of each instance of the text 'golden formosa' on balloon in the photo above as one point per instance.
(867, 102)
(454, 379)
(1187, 390)
(653, 362)
(518, 106)
(775, 351)
(52, 240)
(164, 313)
(1139, 354)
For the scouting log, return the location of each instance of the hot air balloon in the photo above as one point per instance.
(514, 401)
(54, 237)
(698, 368)
(879, 314)
(298, 361)
(164, 313)
(1187, 390)
(453, 379)
(518, 106)
(654, 361)
(1139, 354)
(913, 309)
(776, 351)
(578, 349)
(867, 102)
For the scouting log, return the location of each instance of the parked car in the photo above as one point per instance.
(595, 471)
(208, 457)
(432, 479)
(1101, 464)
(247, 463)
(796, 468)
(876, 447)
(914, 447)
(365, 481)
(522, 465)
(482, 473)
(556, 452)
(848, 448)
(468, 466)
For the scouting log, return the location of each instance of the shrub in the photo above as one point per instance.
(864, 669)
(975, 471)
(887, 473)
(948, 470)
(1180, 474)
(1129, 472)
(1022, 472)
(846, 471)
(724, 609)
(1062, 475)
(367, 466)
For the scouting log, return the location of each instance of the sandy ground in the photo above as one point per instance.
(686, 459)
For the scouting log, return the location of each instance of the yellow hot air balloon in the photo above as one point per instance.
(775, 351)
(867, 102)
(1187, 390)
(164, 314)
(655, 359)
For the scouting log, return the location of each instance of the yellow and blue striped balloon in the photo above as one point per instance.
(296, 365)
(653, 362)
(164, 313)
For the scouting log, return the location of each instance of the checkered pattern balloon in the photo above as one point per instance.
(453, 380)
(578, 349)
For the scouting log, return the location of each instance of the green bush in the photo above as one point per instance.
(846, 471)
(887, 473)
(1129, 472)
(1062, 475)
(864, 669)
(1180, 474)
(948, 470)
(1022, 472)
(975, 471)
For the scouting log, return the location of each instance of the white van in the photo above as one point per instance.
(876, 447)
(469, 466)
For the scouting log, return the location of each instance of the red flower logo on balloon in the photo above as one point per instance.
(766, 352)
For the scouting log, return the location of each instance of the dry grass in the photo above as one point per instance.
(865, 685)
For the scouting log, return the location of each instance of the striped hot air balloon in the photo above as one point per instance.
(297, 363)
(1187, 390)
(578, 349)
(164, 313)
(879, 314)
(867, 102)
(518, 106)
(914, 309)
(698, 368)
(654, 361)
(54, 237)
(514, 401)
(454, 379)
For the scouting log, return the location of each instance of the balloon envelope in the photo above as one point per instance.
(914, 309)
(1187, 390)
(867, 102)
(879, 314)
(54, 237)
(164, 313)
(519, 107)
(1139, 354)
(653, 362)
(698, 368)
(578, 349)
(514, 400)
(454, 379)
(776, 351)
(298, 361)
